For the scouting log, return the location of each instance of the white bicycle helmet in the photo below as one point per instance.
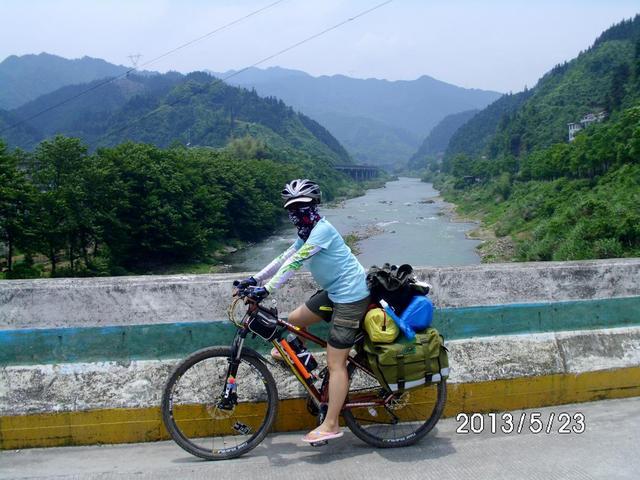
(301, 190)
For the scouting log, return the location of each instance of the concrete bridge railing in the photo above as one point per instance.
(84, 360)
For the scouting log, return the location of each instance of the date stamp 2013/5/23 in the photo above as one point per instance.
(534, 422)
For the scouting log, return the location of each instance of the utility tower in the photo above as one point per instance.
(135, 59)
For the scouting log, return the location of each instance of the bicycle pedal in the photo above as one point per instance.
(319, 444)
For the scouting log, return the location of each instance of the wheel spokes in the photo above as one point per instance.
(196, 410)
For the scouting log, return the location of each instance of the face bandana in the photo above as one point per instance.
(304, 218)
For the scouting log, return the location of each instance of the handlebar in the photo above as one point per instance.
(243, 294)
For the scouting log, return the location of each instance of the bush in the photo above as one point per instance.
(24, 270)
(608, 248)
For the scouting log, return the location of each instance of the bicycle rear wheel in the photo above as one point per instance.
(401, 421)
(190, 404)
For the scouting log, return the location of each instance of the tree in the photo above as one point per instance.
(16, 195)
(617, 90)
(636, 60)
(63, 216)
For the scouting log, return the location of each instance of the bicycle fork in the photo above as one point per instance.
(229, 397)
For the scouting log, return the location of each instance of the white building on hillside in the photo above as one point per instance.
(587, 120)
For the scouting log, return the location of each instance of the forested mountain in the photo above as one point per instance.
(25, 78)
(559, 200)
(436, 143)
(378, 121)
(163, 109)
(600, 78)
(473, 137)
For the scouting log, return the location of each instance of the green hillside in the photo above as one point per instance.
(472, 138)
(163, 109)
(598, 79)
(559, 200)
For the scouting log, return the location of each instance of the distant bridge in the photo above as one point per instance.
(359, 172)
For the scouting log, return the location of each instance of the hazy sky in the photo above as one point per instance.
(492, 44)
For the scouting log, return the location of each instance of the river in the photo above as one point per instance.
(399, 223)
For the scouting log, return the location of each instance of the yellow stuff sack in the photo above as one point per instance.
(380, 327)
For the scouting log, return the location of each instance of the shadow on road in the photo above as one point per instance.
(281, 452)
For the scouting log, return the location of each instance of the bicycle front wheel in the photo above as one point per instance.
(401, 421)
(191, 404)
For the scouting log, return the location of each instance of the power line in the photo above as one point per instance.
(259, 62)
(134, 68)
(211, 33)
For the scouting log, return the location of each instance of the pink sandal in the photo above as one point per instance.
(316, 436)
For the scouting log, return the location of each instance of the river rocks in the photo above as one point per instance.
(427, 200)
(353, 238)
(369, 231)
(224, 251)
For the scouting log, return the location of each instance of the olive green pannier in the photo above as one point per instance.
(409, 363)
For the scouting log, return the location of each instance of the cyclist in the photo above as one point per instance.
(343, 300)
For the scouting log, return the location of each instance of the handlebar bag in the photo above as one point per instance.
(263, 323)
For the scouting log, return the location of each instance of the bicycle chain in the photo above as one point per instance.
(400, 402)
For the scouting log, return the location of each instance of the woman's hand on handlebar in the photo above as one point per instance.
(250, 293)
(257, 294)
(240, 286)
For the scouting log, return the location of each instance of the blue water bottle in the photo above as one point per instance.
(402, 325)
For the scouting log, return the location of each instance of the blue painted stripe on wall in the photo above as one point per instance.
(175, 340)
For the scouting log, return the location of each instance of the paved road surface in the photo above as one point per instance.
(608, 449)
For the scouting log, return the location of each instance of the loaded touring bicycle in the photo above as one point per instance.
(221, 401)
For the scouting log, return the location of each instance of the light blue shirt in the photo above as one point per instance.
(334, 267)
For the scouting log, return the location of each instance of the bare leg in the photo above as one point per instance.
(301, 317)
(338, 387)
